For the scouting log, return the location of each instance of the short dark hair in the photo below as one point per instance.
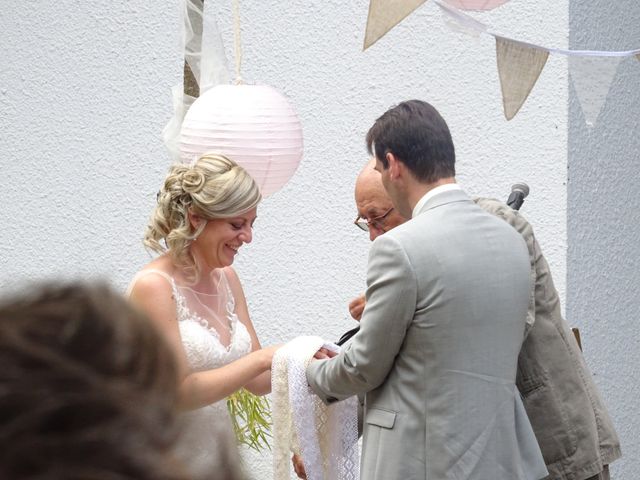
(88, 388)
(417, 135)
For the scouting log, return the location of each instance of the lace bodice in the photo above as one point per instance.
(212, 336)
(205, 321)
(202, 342)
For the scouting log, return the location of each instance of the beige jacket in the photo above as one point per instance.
(571, 423)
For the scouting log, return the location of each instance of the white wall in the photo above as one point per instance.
(603, 218)
(83, 97)
(85, 92)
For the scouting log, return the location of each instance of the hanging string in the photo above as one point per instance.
(237, 41)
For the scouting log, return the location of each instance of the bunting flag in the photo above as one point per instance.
(476, 4)
(592, 77)
(384, 15)
(519, 66)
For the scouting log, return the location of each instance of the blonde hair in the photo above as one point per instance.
(213, 187)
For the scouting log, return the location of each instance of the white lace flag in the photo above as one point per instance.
(384, 15)
(519, 66)
(476, 4)
(325, 436)
(592, 77)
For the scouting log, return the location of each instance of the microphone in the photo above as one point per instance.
(519, 192)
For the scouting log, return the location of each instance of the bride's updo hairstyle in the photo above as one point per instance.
(213, 187)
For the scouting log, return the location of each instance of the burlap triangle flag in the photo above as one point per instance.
(519, 66)
(384, 15)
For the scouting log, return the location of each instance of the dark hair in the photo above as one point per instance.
(417, 135)
(88, 388)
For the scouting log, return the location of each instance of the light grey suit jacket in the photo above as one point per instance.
(447, 296)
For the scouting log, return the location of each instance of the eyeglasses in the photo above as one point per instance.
(377, 222)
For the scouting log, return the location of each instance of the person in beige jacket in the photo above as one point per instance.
(570, 420)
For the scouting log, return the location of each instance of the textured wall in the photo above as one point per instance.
(603, 221)
(83, 97)
(85, 92)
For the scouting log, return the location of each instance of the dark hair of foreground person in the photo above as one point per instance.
(87, 388)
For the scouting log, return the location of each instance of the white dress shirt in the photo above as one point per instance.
(439, 189)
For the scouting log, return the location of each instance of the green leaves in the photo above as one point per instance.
(251, 418)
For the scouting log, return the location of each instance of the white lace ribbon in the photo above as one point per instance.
(325, 436)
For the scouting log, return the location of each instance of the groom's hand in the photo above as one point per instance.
(356, 307)
(324, 354)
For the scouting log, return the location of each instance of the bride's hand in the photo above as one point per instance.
(267, 355)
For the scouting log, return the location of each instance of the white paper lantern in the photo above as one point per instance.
(254, 125)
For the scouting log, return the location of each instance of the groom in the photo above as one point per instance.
(447, 297)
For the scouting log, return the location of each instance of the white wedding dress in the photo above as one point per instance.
(212, 337)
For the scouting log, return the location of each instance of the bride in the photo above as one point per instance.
(204, 215)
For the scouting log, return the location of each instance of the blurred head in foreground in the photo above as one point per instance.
(87, 388)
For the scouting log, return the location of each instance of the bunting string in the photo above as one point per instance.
(521, 63)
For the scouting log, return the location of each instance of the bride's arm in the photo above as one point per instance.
(260, 385)
(154, 296)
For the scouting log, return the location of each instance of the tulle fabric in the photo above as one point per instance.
(204, 53)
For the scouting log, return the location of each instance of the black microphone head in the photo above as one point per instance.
(521, 187)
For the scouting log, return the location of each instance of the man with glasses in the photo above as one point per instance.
(376, 215)
(376, 222)
(447, 297)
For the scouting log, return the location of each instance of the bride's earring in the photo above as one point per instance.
(193, 220)
(198, 231)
